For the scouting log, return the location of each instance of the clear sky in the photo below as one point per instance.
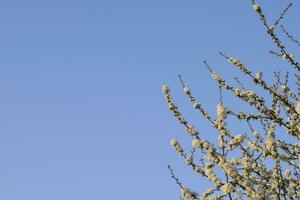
(82, 112)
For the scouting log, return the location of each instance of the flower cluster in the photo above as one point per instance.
(227, 188)
(177, 147)
(221, 112)
(237, 140)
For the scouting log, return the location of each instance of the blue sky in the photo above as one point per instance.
(82, 112)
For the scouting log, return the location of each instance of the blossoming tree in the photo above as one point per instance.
(265, 165)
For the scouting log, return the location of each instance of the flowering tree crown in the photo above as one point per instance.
(266, 166)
